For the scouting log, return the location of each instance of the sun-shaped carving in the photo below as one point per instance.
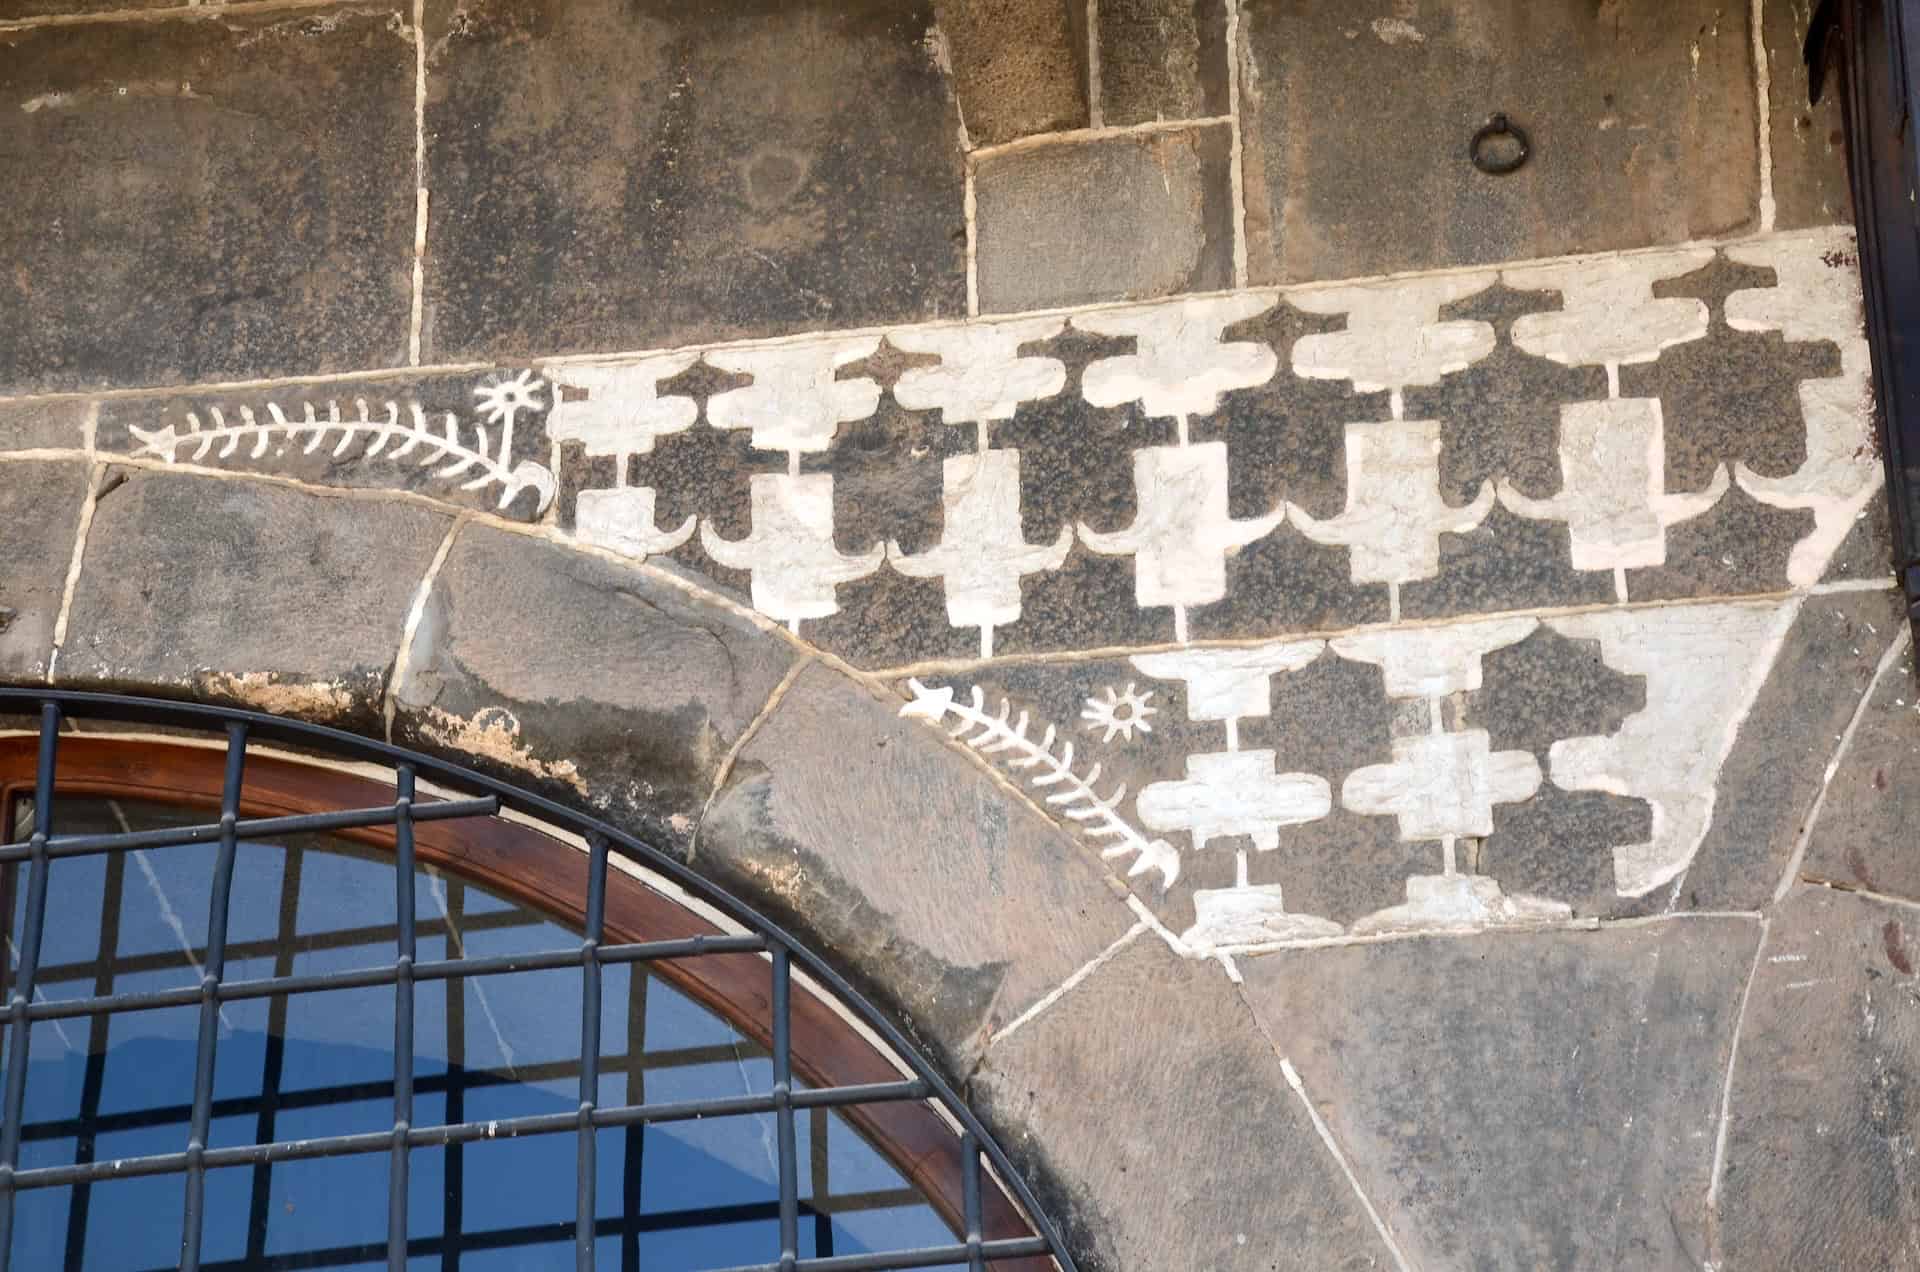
(501, 401)
(1119, 712)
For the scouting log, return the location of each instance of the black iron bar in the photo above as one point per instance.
(586, 1191)
(923, 1257)
(20, 1023)
(273, 1057)
(193, 1214)
(970, 1200)
(783, 1108)
(92, 1084)
(402, 1019)
(254, 828)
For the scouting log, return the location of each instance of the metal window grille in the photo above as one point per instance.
(482, 797)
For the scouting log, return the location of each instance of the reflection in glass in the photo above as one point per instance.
(685, 1195)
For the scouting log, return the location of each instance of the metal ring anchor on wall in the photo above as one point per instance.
(1497, 127)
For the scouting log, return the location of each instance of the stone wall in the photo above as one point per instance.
(1358, 703)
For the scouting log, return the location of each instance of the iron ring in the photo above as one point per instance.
(1498, 126)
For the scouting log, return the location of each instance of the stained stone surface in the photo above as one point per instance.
(1080, 1094)
(46, 495)
(1820, 1136)
(1019, 66)
(60, 424)
(609, 176)
(1161, 59)
(198, 201)
(1543, 1100)
(245, 593)
(1808, 144)
(645, 748)
(1641, 118)
(1863, 836)
(964, 907)
(1777, 765)
(1120, 219)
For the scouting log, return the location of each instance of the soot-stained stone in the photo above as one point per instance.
(1076, 466)
(206, 200)
(1162, 59)
(956, 901)
(246, 592)
(1773, 773)
(45, 496)
(60, 424)
(1739, 545)
(610, 175)
(1120, 218)
(1560, 843)
(1864, 833)
(1642, 118)
(11, 9)
(1823, 1110)
(1080, 1098)
(1809, 141)
(1500, 417)
(1732, 395)
(431, 435)
(1522, 1100)
(1507, 562)
(1019, 66)
(589, 680)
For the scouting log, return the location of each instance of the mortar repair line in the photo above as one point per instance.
(416, 315)
(88, 503)
(1726, 1093)
(970, 211)
(1071, 136)
(760, 717)
(1763, 112)
(1235, 167)
(1096, 111)
(1325, 1132)
(1067, 986)
(170, 13)
(416, 612)
(1901, 644)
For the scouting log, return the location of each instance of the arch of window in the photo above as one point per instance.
(589, 909)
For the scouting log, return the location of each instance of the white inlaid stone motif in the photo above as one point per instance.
(1182, 535)
(1229, 793)
(794, 403)
(1818, 298)
(983, 552)
(1703, 665)
(621, 520)
(1442, 784)
(616, 409)
(1433, 662)
(1181, 366)
(982, 375)
(1609, 315)
(790, 551)
(1230, 684)
(1613, 496)
(1394, 337)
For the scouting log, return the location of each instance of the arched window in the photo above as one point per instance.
(289, 998)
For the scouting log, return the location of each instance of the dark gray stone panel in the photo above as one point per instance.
(1522, 1101)
(1773, 774)
(44, 499)
(246, 592)
(608, 175)
(1822, 1117)
(955, 902)
(1158, 1119)
(1162, 59)
(1642, 118)
(1019, 66)
(1123, 218)
(474, 440)
(1808, 144)
(593, 681)
(56, 425)
(206, 200)
(1864, 835)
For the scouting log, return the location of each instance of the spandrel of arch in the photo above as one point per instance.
(279, 1014)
